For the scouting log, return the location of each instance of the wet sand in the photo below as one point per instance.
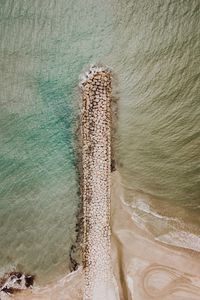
(145, 269)
(148, 269)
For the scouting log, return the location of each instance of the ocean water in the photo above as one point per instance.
(153, 48)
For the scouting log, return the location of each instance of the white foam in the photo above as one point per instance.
(142, 205)
(181, 239)
(91, 72)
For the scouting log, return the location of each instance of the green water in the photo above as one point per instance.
(160, 97)
(153, 47)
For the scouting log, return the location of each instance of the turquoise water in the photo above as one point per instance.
(44, 47)
(153, 48)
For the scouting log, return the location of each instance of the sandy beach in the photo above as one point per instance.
(121, 259)
(145, 269)
(150, 246)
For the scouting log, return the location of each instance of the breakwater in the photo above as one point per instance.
(96, 92)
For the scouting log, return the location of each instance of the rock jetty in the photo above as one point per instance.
(96, 92)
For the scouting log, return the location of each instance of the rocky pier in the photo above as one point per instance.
(96, 92)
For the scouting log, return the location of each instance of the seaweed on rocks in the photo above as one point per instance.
(74, 253)
(14, 282)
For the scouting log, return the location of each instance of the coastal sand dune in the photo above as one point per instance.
(145, 269)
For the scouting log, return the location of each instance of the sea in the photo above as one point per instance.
(153, 50)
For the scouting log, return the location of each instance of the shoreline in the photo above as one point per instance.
(131, 263)
(156, 269)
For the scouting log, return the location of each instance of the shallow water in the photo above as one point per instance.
(144, 268)
(153, 48)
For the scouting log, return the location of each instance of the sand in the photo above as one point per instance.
(145, 269)
(125, 261)
(148, 269)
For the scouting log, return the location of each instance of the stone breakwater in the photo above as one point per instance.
(96, 168)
